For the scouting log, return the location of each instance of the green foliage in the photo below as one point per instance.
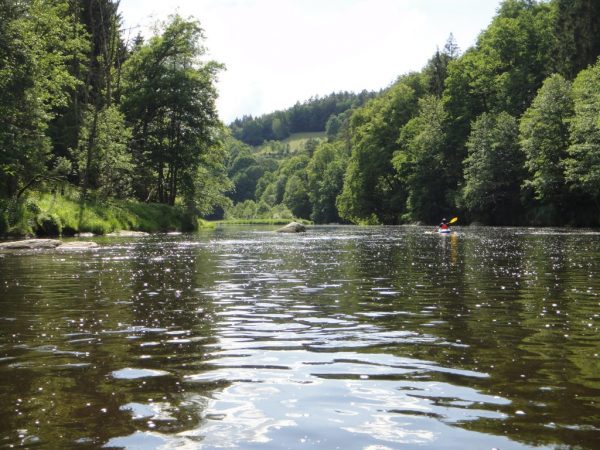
(436, 70)
(310, 116)
(545, 139)
(502, 72)
(583, 161)
(370, 184)
(493, 170)
(38, 41)
(169, 98)
(105, 165)
(325, 175)
(421, 162)
(79, 107)
(210, 184)
(295, 196)
(577, 30)
(249, 210)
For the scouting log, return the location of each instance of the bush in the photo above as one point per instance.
(48, 225)
(4, 226)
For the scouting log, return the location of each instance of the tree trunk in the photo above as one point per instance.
(89, 155)
(161, 191)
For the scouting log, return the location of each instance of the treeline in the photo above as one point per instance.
(82, 106)
(316, 114)
(507, 132)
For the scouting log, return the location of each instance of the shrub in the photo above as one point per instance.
(48, 225)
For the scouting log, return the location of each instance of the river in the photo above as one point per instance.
(343, 337)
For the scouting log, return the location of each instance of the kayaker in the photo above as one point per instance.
(444, 225)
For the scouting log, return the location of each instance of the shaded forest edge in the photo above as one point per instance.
(98, 132)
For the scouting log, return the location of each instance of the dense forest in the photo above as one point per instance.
(506, 132)
(89, 116)
(313, 115)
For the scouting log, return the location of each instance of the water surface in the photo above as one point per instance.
(344, 337)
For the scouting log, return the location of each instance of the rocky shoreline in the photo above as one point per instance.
(46, 244)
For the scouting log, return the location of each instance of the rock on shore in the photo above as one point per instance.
(37, 244)
(292, 227)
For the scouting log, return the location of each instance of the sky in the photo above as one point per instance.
(279, 52)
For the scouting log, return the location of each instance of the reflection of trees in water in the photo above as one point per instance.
(75, 318)
(523, 333)
(483, 300)
(61, 304)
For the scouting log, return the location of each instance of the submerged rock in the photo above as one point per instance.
(85, 234)
(292, 227)
(77, 245)
(128, 233)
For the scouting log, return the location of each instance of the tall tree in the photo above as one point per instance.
(169, 98)
(583, 161)
(494, 170)
(102, 21)
(545, 139)
(502, 72)
(436, 69)
(421, 162)
(325, 173)
(38, 41)
(371, 190)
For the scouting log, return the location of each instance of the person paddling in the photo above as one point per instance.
(444, 227)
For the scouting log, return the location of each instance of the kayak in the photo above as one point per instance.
(444, 231)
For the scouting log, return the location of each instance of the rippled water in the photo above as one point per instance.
(344, 337)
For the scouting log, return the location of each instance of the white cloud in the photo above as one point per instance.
(278, 52)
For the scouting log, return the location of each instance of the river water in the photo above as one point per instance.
(340, 338)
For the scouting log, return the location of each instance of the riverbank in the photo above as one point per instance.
(261, 221)
(45, 214)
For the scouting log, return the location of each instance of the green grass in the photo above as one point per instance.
(206, 224)
(295, 143)
(46, 214)
(298, 140)
(262, 221)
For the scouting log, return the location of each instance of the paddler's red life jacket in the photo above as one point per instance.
(444, 226)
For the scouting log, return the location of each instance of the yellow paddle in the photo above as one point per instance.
(454, 219)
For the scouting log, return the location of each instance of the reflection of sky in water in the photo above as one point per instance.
(358, 399)
(296, 375)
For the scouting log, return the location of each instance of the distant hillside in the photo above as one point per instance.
(290, 146)
(309, 117)
(297, 141)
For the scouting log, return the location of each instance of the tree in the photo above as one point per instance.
(169, 99)
(421, 162)
(209, 185)
(436, 70)
(296, 196)
(325, 173)
(105, 57)
(371, 190)
(545, 138)
(38, 41)
(494, 170)
(577, 30)
(583, 160)
(108, 168)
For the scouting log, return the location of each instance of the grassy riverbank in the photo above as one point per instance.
(262, 221)
(44, 214)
